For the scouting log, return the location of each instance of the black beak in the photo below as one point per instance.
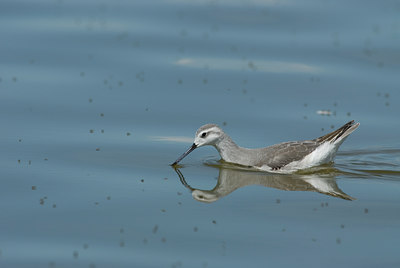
(194, 146)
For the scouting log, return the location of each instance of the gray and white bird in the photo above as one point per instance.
(284, 157)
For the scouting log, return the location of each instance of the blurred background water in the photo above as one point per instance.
(97, 98)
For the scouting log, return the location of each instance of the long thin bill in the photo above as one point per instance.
(194, 146)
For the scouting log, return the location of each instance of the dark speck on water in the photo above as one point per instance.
(155, 229)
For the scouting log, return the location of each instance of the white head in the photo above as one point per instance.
(209, 134)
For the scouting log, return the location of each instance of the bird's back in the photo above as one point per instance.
(307, 153)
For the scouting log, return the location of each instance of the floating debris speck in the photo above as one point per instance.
(155, 229)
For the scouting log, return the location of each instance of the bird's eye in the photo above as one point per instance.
(204, 134)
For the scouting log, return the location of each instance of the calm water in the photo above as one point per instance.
(97, 98)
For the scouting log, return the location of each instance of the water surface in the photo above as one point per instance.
(97, 98)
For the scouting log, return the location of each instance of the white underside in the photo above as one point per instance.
(325, 153)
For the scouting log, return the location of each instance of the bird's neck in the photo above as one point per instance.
(229, 150)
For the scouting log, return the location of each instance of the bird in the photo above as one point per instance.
(286, 157)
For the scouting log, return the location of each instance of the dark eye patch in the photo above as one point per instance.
(204, 134)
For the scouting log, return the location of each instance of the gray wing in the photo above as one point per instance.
(280, 155)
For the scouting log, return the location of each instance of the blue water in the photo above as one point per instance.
(97, 98)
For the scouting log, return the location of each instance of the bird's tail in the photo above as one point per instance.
(340, 134)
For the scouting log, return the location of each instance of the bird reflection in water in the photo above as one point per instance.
(231, 178)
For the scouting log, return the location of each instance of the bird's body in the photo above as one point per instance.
(285, 157)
